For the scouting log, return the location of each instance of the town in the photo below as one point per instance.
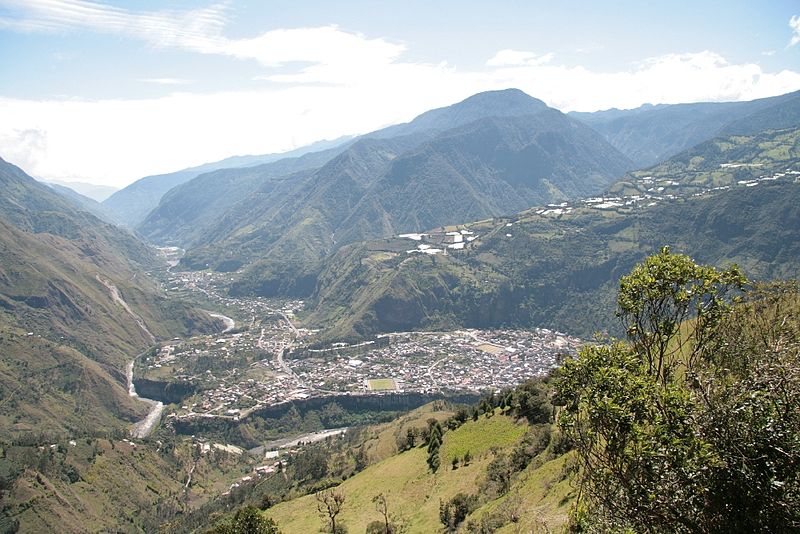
(261, 358)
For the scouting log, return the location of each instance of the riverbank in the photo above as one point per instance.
(143, 428)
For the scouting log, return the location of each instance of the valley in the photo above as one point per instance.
(395, 312)
(267, 361)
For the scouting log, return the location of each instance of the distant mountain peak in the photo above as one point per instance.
(510, 96)
(498, 103)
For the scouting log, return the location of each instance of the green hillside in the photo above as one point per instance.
(76, 305)
(558, 266)
(690, 425)
(493, 154)
(540, 493)
(102, 485)
(651, 134)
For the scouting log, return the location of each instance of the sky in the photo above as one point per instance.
(108, 92)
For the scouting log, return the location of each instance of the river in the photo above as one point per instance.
(143, 428)
(230, 324)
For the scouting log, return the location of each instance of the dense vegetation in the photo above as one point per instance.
(692, 426)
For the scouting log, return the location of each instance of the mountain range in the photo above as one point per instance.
(132, 203)
(493, 154)
(651, 134)
(64, 332)
(497, 211)
(731, 199)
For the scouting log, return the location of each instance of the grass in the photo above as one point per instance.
(541, 494)
(478, 437)
(540, 500)
(382, 384)
(412, 493)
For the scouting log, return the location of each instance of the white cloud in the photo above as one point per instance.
(517, 58)
(794, 24)
(333, 83)
(667, 79)
(166, 81)
(200, 30)
(117, 141)
(25, 148)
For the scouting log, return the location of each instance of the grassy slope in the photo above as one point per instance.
(380, 441)
(414, 493)
(145, 487)
(49, 388)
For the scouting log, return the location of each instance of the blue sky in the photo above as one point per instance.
(107, 92)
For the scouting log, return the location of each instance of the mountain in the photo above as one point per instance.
(75, 307)
(650, 134)
(494, 153)
(191, 214)
(132, 203)
(87, 204)
(96, 192)
(558, 267)
(502, 103)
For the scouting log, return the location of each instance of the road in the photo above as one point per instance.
(286, 348)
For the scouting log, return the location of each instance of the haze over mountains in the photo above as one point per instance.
(98, 193)
(650, 134)
(494, 212)
(132, 203)
(494, 154)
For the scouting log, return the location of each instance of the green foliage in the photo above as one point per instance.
(247, 520)
(311, 464)
(658, 298)
(689, 436)
(453, 512)
(329, 506)
(434, 443)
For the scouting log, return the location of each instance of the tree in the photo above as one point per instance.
(361, 459)
(382, 506)
(532, 401)
(329, 505)
(453, 512)
(499, 471)
(389, 523)
(311, 464)
(691, 426)
(411, 437)
(657, 299)
(434, 443)
(248, 520)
